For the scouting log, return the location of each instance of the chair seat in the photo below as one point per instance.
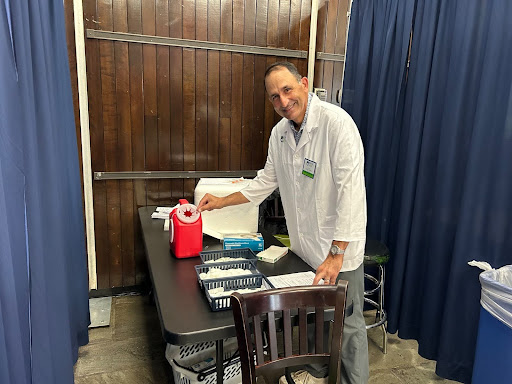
(375, 252)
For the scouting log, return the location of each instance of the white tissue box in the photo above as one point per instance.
(241, 218)
(253, 241)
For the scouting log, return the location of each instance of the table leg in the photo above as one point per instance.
(220, 361)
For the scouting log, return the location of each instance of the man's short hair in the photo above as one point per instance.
(283, 64)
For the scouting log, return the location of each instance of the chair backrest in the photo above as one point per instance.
(282, 310)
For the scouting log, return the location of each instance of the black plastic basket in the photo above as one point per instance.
(250, 265)
(246, 253)
(221, 303)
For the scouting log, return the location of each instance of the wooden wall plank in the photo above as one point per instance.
(305, 25)
(320, 41)
(284, 24)
(111, 145)
(272, 41)
(201, 88)
(236, 87)
(260, 63)
(226, 36)
(294, 28)
(189, 97)
(163, 101)
(247, 150)
(150, 101)
(213, 85)
(330, 40)
(176, 107)
(120, 24)
(134, 14)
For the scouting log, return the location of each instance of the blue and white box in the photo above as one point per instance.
(253, 241)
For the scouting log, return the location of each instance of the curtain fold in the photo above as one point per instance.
(438, 142)
(43, 276)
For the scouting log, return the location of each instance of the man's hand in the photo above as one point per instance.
(209, 202)
(329, 269)
(331, 266)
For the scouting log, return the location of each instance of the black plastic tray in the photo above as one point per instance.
(250, 265)
(246, 253)
(221, 303)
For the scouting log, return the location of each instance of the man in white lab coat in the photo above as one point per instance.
(316, 159)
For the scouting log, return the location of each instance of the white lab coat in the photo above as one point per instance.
(331, 205)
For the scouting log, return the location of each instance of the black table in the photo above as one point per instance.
(184, 312)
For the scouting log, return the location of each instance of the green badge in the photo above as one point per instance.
(309, 168)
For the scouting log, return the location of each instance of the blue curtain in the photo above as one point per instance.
(377, 49)
(44, 311)
(449, 196)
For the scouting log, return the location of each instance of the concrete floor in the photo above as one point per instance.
(131, 351)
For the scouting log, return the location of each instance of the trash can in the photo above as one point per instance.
(493, 354)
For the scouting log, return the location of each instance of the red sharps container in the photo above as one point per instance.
(185, 230)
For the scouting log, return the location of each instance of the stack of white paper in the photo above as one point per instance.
(293, 279)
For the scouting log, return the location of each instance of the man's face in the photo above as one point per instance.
(288, 96)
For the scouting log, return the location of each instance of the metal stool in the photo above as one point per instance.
(376, 254)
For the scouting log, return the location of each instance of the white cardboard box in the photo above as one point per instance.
(241, 218)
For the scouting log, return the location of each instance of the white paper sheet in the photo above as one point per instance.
(293, 279)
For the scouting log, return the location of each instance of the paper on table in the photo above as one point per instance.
(166, 209)
(162, 212)
(159, 215)
(293, 279)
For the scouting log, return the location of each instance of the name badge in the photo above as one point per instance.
(309, 168)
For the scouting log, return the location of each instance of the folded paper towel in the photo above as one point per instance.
(272, 254)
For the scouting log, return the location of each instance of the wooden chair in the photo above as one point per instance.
(276, 309)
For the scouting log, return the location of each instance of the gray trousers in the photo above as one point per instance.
(354, 347)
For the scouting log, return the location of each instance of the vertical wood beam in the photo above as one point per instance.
(86, 141)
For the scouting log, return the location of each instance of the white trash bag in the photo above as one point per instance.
(496, 291)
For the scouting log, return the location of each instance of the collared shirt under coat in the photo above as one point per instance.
(330, 206)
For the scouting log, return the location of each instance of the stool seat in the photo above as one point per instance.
(376, 254)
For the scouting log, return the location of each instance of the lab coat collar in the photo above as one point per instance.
(311, 123)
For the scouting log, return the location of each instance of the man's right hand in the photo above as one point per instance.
(210, 202)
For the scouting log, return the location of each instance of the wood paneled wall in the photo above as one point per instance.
(169, 108)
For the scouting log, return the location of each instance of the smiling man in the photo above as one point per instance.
(316, 159)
